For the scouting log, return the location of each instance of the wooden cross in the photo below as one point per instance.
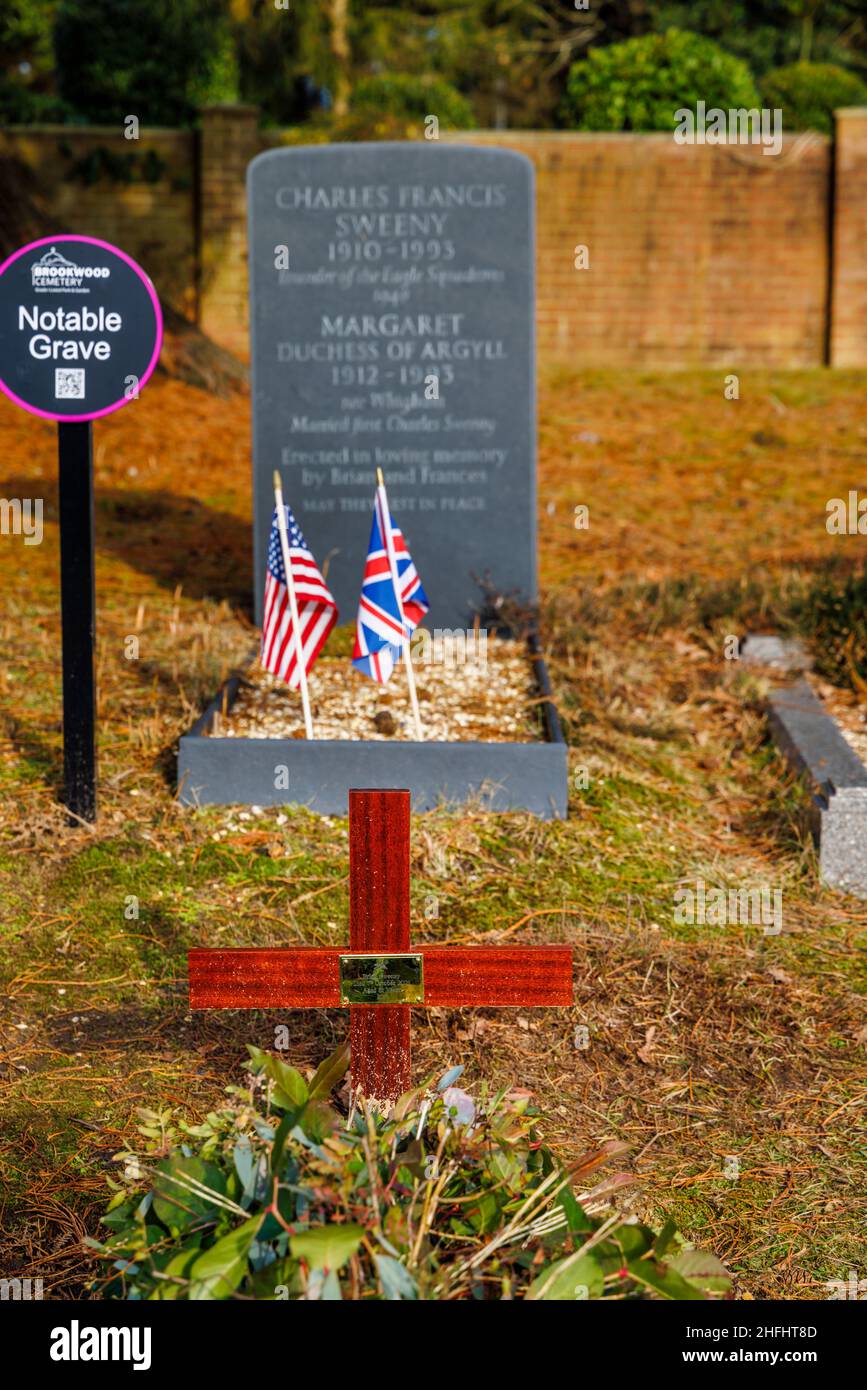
(381, 973)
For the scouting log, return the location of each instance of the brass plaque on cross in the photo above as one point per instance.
(382, 979)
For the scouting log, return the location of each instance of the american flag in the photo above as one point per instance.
(317, 611)
(380, 633)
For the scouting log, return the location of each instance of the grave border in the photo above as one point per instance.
(811, 742)
(532, 776)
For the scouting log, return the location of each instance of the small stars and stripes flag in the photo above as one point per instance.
(317, 611)
(388, 611)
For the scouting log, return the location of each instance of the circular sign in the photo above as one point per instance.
(80, 328)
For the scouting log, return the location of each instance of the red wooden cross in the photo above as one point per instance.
(381, 953)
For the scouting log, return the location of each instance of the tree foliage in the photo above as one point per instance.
(26, 63)
(773, 33)
(402, 95)
(809, 93)
(296, 59)
(640, 84)
(157, 59)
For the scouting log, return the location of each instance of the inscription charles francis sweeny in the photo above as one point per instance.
(392, 307)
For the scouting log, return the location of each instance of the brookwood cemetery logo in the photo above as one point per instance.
(54, 272)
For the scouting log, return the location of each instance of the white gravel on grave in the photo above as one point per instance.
(492, 696)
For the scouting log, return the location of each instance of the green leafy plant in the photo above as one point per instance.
(393, 106)
(399, 94)
(832, 614)
(21, 106)
(100, 162)
(640, 84)
(278, 1196)
(158, 59)
(809, 93)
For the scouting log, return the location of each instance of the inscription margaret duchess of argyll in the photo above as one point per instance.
(392, 327)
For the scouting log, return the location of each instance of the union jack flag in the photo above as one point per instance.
(387, 613)
(317, 611)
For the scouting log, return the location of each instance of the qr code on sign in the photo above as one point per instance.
(69, 383)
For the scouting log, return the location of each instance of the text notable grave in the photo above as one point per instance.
(80, 328)
(80, 335)
(392, 326)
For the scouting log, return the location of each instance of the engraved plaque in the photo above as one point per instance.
(382, 979)
(400, 335)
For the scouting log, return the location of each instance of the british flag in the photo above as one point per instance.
(388, 613)
(317, 611)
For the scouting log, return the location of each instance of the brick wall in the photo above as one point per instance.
(139, 194)
(697, 254)
(229, 140)
(848, 336)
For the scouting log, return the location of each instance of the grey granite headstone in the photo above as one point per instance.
(410, 272)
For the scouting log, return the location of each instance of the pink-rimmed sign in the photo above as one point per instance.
(80, 333)
(80, 328)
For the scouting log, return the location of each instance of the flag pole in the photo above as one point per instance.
(392, 564)
(293, 606)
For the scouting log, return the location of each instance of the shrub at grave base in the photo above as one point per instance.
(277, 1196)
(640, 84)
(809, 93)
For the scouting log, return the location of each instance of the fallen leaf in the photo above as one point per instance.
(645, 1053)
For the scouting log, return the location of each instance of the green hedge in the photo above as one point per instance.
(155, 59)
(640, 84)
(413, 98)
(21, 106)
(808, 93)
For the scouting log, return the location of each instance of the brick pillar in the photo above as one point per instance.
(229, 140)
(848, 337)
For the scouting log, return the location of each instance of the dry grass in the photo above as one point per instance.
(703, 1042)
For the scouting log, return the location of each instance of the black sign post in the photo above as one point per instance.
(80, 334)
(78, 609)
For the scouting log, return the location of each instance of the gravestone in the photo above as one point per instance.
(392, 326)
